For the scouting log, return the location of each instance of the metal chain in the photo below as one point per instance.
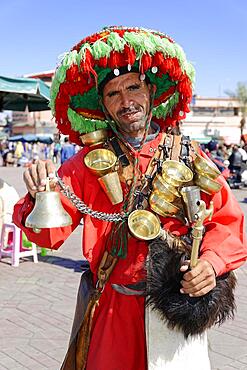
(83, 208)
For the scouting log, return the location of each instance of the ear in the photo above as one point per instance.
(152, 89)
(105, 111)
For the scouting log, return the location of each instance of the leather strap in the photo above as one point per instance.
(176, 148)
(156, 156)
(106, 266)
(119, 152)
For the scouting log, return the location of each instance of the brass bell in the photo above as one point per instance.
(48, 211)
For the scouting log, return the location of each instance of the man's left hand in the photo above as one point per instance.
(198, 281)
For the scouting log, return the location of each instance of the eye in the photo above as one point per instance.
(134, 87)
(112, 93)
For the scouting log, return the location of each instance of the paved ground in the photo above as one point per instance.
(37, 305)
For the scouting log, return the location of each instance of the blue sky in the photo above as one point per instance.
(212, 33)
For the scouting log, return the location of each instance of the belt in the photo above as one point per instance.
(131, 289)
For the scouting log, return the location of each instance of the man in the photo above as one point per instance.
(236, 163)
(67, 150)
(137, 84)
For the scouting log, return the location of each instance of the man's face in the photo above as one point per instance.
(127, 101)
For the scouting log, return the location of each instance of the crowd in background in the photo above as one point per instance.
(24, 154)
(230, 159)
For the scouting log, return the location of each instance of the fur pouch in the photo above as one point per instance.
(190, 315)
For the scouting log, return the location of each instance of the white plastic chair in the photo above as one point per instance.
(16, 249)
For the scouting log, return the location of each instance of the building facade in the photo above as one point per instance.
(214, 118)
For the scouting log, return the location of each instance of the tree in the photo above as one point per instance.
(241, 95)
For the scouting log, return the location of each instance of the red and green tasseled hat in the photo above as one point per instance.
(75, 99)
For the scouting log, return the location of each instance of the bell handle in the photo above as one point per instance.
(47, 184)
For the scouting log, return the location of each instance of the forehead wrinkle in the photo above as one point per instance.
(118, 82)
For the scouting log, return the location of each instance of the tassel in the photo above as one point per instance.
(100, 49)
(130, 55)
(102, 62)
(158, 59)
(118, 240)
(167, 47)
(115, 60)
(175, 72)
(72, 73)
(145, 63)
(73, 136)
(116, 42)
(88, 63)
(60, 75)
(83, 124)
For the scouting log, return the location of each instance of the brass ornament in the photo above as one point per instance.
(198, 229)
(176, 173)
(204, 167)
(100, 161)
(160, 205)
(144, 225)
(48, 211)
(103, 163)
(207, 184)
(168, 191)
(191, 195)
(111, 185)
(95, 137)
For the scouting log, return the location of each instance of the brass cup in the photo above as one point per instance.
(110, 183)
(204, 167)
(100, 161)
(94, 137)
(168, 191)
(160, 205)
(144, 225)
(207, 185)
(176, 173)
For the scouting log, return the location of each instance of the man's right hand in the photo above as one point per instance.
(35, 176)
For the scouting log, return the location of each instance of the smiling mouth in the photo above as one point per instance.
(129, 114)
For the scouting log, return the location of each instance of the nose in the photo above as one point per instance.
(124, 100)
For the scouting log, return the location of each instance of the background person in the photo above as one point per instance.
(67, 150)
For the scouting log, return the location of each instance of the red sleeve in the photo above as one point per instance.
(224, 242)
(52, 238)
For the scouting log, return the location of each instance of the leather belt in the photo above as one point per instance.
(131, 289)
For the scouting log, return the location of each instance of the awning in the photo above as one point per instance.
(19, 94)
(32, 138)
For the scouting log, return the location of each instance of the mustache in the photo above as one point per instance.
(130, 109)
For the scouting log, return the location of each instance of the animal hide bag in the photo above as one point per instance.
(190, 315)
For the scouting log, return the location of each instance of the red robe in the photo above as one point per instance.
(118, 334)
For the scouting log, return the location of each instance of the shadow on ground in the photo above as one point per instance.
(68, 263)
